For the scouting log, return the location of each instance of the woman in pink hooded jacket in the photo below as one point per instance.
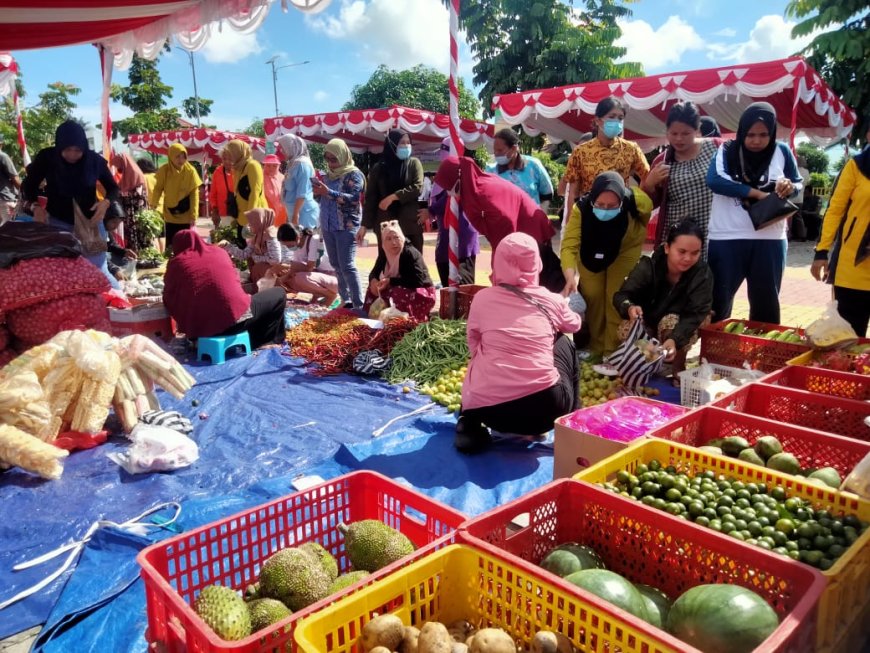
(523, 372)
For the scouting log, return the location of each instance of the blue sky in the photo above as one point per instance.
(347, 41)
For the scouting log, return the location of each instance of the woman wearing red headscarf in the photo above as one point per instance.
(133, 197)
(203, 295)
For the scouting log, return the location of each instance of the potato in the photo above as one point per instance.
(385, 630)
(409, 640)
(434, 638)
(492, 640)
(460, 630)
(546, 641)
(380, 649)
(459, 647)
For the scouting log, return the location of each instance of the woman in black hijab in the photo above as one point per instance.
(393, 188)
(744, 171)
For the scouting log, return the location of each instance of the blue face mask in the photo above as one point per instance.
(502, 160)
(403, 152)
(605, 214)
(612, 128)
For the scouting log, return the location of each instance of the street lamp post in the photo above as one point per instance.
(275, 70)
(195, 93)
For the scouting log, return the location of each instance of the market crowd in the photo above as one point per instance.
(723, 210)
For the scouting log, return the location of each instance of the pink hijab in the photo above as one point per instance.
(517, 261)
(260, 220)
(392, 227)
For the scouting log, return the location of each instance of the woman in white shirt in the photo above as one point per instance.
(744, 171)
(297, 272)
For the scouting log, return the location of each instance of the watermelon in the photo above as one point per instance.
(570, 557)
(613, 588)
(722, 619)
(657, 604)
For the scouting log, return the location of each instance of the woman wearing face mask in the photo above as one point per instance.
(671, 291)
(743, 172)
(601, 245)
(298, 194)
(393, 187)
(248, 188)
(178, 185)
(400, 275)
(607, 151)
(677, 182)
(523, 171)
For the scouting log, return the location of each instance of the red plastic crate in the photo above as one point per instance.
(820, 412)
(231, 551)
(811, 448)
(464, 296)
(647, 546)
(822, 381)
(733, 349)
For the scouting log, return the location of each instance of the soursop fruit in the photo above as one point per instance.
(295, 577)
(265, 612)
(327, 561)
(346, 580)
(224, 611)
(372, 545)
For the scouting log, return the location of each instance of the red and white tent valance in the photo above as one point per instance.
(8, 74)
(365, 130)
(805, 105)
(202, 144)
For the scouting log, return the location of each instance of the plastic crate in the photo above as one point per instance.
(733, 349)
(231, 551)
(820, 412)
(691, 393)
(639, 543)
(813, 449)
(845, 603)
(822, 381)
(464, 295)
(464, 582)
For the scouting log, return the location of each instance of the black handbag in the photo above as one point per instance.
(771, 209)
(183, 206)
(232, 207)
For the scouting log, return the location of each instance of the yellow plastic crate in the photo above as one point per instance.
(845, 603)
(462, 582)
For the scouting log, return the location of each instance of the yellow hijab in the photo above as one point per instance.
(240, 153)
(180, 182)
(339, 149)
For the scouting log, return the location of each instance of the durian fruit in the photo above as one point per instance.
(265, 612)
(224, 611)
(346, 580)
(372, 545)
(295, 577)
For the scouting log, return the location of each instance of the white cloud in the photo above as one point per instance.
(727, 32)
(229, 46)
(657, 48)
(320, 96)
(770, 38)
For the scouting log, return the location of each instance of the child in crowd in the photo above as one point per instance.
(298, 270)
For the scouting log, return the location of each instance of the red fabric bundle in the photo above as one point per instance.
(36, 324)
(40, 279)
(7, 356)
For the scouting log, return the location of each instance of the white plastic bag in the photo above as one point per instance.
(830, 330)
(266, 282)
(156, 449)
(858, 480)
(391, 313)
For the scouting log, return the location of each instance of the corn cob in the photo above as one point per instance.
(23, 450)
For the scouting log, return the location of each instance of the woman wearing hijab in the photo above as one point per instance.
(220, 189)
(133, 189)
(400, 275)
(743, 172)
(301, 252)
(601, 245)
(394, 186)
(178, 184)
(298, 193)
(248, 188)
(523, 171)
(203, 295)
(523, 372)
(340, 215)
(273, 182)
(263, 249)
(846, 231)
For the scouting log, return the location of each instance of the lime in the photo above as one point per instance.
(784, 526)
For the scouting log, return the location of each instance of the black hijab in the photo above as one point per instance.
(394, 170)
(862, 160)
(77, 179)
(752, 167)
(600, 241)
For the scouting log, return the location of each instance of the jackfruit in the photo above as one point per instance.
(224, 611)
(295, 577)
(346, 580)
(327, 561)
(372, 545)
(265, 612)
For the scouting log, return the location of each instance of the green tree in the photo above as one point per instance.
(527, 44)
(817, 160)
(419, 87)
(255, 128)
(146, 96)
(189, 105)
(841, 55)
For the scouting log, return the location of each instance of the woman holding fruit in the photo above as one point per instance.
(671, 291)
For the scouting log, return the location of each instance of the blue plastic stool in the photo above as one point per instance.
(216, 347)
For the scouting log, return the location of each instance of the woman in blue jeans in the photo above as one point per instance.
(340, 217)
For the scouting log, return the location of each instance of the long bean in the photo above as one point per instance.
(427, 351)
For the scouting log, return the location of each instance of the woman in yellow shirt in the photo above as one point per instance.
(846, 229)
(177, 184)
(601, 245)
(248, 178)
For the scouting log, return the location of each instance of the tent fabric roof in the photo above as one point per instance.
(8, 74)
(200, 143)
(364, 130)
(805, 104)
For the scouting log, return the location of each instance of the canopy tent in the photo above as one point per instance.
(364, 130)
(805, 105)
(202, 144)
(8, 88)
(127, 26)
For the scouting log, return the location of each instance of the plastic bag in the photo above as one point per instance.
(20, 241)
(858, 480)
(391, 313)
(156, 449)
(376, 307)
(635, 359)
(830, 330)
